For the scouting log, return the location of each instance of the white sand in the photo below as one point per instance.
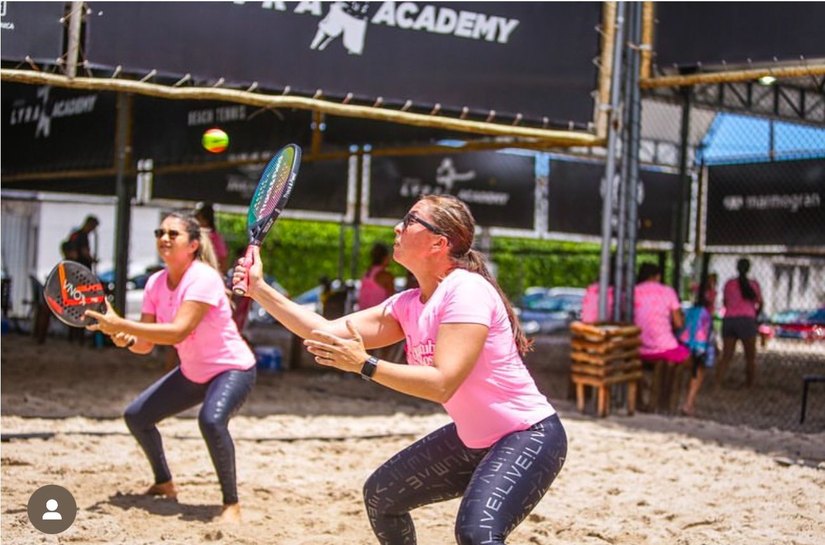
(307, 440)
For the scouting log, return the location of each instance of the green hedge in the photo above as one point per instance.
(298, 253)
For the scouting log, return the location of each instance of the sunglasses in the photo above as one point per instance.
(412, 218)
(171, 232)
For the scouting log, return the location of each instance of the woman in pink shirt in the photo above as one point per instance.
(658, 313)
(742, 299)
(185, 305)
(377, 284)
(464, 347)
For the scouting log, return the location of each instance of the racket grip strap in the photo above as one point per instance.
(242, 286)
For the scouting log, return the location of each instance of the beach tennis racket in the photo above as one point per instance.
(268, 202)
(71, 289)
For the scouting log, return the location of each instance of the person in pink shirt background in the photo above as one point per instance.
(377, 283)
(464, 349)
(590, 301)
(742, 298)
(658, 313)
(185, 305)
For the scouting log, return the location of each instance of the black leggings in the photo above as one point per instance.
(500, 485)
(222, 397)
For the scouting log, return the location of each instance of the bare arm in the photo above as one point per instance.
(457, 349)
(378, 326)
(677, 318)
(187, 318)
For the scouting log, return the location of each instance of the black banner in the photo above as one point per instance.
(170, 131)
(499, 188)
(575, 200)
(50, 128)
(533, 58)
(693, 33)
(320, 186)
(104, 185)
(778, 203)
(32, 29)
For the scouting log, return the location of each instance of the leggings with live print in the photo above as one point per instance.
(499, 485)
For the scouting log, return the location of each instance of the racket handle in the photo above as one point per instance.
(242, 286)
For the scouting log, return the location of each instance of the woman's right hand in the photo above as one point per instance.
(251, 270)
(123, 340)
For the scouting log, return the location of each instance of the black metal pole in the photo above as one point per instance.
(610, 166)
(632, 182)
(684, 193)
(123, 154)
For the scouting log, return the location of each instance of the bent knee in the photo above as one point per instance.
(376, 502)
(134, 419)
(210, 424)
(476, 535)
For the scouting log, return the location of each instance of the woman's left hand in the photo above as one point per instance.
(333, 351)
(109, 323)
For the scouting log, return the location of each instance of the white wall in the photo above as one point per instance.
(58, 219)
(33, 229)
(19, 234)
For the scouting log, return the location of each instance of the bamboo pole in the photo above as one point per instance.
(647, 39)
(605, 69)
(753, 74)
(407, 151)
(73, 47)
(549, 136)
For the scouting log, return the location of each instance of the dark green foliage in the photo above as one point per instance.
(298, 253)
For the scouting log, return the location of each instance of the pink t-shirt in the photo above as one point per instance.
(590, 303)
(371, 292)
(653, 305)
(215, 345)
(498, 396)
(737, 306)
(221, 251)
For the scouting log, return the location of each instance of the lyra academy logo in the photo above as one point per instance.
(350, 21)
(43, 110)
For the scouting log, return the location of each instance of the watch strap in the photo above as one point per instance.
(369, 367)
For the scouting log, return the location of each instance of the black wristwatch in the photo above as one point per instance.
(369, 367)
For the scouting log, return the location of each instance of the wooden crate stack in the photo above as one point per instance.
(605, 355)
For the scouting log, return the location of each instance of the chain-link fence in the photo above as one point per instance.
(758, 193)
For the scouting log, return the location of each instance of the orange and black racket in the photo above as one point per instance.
(71, 289)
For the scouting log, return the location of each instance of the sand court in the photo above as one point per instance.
(307, 439)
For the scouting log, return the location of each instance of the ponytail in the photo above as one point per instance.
(473, 261)
(206, 250)
(453, 217)
(745, 288)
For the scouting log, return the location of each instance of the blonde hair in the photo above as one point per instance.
(453, 217)
(207, 253)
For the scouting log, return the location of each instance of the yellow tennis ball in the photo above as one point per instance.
(215, 140)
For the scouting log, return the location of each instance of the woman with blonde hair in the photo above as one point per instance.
(185, 305)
